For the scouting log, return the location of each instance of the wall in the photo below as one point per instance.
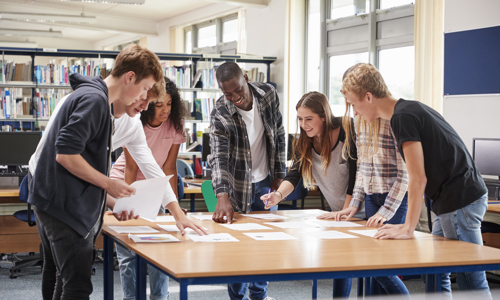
(472, 115)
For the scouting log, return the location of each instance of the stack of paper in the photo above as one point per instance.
(153, 238)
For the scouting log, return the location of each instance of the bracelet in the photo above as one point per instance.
(281, 198)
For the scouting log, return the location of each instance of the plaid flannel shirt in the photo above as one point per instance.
(230, 158)
(385, 172)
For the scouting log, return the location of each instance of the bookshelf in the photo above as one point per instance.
(31, 87)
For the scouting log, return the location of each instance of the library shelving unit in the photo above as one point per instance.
(191, 59)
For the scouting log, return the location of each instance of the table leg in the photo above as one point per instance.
(315, 289)
(108, 267)
(140, 281)
(183, 285)
(192, 202)
(368, 286)
(360, 287)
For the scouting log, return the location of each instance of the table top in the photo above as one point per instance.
(494, 208)
(9, 192)
(187, 259)
(193, 189)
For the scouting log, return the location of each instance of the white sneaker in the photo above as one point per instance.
(267, 298)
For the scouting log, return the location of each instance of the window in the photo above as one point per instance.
(345, 8)
(230, 31)
(188, 43)
(216, 36)
(207, 36)
(397, 66)
(357, 32)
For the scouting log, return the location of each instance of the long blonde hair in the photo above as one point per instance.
(302, 147)
(359, 80)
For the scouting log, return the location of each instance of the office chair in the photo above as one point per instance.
(208, 193)
(180, 187)
(28, 216)
(183, 168)
(299, 193)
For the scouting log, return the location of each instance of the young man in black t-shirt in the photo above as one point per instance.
(438, 164)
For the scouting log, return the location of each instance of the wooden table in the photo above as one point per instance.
(9, 196)
(304, 259)
(193, 189)
(494, 207)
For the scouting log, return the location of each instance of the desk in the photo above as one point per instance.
(303, 259)
(9, 196)
(193, 189)
(494, 208)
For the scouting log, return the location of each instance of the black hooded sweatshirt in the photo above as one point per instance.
(82, 126)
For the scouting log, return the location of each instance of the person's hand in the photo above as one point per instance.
(375, 221)
(124, 215)
(274, 199)
(119, 188)
(276, 184)
(223, 210)
(347, 212)
(183, 222)
(397, 232)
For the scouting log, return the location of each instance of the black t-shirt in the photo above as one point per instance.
(453, 180)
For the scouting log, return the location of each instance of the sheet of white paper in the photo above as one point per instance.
(298, 225)
(202, 217)
(265, 216)
(270, 236)
(306, 214)
(214, 237)
(161, 219)
(133, 229)
(333, 223)
(174, 228)
(369, 232)
(153, 238)
(245, 226)
(330, 234)
(147, 199)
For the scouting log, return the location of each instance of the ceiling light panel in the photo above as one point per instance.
(135, 2)
(23, 32)
(48, 18)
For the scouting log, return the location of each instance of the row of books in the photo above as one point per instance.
(14, 105)
(255, 75)
(58, 74)
(181, 76)
(203, 108)
(15, 71)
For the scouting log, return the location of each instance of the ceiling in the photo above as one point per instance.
(112, 19)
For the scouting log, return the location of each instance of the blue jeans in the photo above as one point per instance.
(391, 285)
(257, 290)
(158, 281)
(464, 225)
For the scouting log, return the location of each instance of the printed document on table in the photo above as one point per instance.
(133, 229)
(287, 225)
(148, 197)
(265, 216)
(174, 228)
(330, 234)
(334, 223)
(153, 238)
(245, 226)
(203, 217)
(270, 236)
(214, 237)
(306, 214)
(371, 233)
(161, 219)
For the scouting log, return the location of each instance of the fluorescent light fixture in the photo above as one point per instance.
(47, 18)
(136, 2)
(15, 44)
(23, 32)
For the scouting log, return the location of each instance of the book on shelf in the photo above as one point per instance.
(254, 75)
(192, 146)
(14, 104)
(205, 78)
(58, 74)
(180, 75)
(203, 108)
(16, 71)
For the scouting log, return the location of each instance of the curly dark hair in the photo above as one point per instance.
(177, 113)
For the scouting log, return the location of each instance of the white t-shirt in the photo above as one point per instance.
(129, 133)
(256, 138)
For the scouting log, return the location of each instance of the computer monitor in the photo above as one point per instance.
(205, 148)
(17, 147)
(486, 154)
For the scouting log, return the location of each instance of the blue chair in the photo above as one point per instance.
(180, 187)
(300, 193)
(28, 216)
(183, 168)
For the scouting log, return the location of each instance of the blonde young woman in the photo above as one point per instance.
(319, 157)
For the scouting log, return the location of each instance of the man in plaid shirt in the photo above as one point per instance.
(247, 142)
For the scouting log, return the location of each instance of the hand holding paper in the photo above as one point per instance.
(147, 199)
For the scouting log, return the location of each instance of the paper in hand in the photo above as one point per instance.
(147, 199)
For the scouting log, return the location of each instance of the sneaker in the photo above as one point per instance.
(267, 298)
